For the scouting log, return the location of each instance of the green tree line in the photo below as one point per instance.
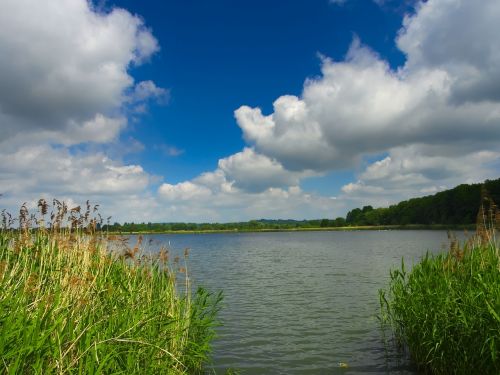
(251, 225)
(457, 206)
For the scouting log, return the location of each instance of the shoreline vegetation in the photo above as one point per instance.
(76, 297)
(74, 300)
(450, 209)
(444, 312)
(466, 227)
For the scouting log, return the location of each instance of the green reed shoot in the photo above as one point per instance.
(75, 301)
(446, 311)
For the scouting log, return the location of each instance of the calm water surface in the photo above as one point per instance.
(300, 303)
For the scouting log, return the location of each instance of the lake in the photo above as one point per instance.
(302, 302)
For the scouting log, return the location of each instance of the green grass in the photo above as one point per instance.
(70, 306)
(446, 311)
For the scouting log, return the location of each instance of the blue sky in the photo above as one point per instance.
(234, 110)
(216, 56)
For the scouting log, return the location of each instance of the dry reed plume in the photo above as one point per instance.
(446, 310)
(74, 300)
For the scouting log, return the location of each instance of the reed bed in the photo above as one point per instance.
(445, 311)
(75, 301)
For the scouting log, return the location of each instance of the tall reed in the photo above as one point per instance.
(445, 311)
(74, 301)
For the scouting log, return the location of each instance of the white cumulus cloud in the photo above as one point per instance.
(64, 65)
(64, 83)
(436, 118)
(253, 172)
(418, 171)
(438, 115)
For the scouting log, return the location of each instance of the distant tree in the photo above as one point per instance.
(455, 206)
(339, 222)
(353, 216)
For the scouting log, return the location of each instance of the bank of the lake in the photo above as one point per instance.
(446, 310)
(465, 227)
(77, 302)
(296, 302)
(302, 302)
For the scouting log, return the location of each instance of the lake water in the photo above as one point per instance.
(301, 302)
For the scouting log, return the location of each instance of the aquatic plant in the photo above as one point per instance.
(73, 300)
(445, 311)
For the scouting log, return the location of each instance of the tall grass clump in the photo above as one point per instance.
(445, 312)
(75, 301)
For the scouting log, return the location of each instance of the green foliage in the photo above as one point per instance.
(252, 225)
(446, 310)
(453, 207)
(70, 306)
(457, 206)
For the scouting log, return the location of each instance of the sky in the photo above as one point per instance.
(204, 111)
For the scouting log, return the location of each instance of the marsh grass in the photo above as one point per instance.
(445, 312)
(75, 301)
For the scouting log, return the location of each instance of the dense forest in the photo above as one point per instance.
(457, 206)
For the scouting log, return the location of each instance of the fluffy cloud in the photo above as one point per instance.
(360, 106)
(438, 116)
(43, 169)
(144, 92)
(420, 170)
(184, 191)
(33, 172)
(253, 172)
(245, 186)
(211, 197)
(461, 38)
(64, 81)
(237, 179)
(63, 69)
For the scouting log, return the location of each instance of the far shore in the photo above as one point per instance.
(318, 229)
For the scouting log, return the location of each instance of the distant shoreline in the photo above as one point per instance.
(318, 229)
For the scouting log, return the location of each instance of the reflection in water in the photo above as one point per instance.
(302, 303)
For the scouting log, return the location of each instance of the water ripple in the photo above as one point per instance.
(300, 303)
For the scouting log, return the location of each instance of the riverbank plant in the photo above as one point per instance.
(75, 301)
(445, 311)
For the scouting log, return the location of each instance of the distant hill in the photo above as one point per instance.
(456, 206)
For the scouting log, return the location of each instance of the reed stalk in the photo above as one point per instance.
(76, 301)
(445, 311)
